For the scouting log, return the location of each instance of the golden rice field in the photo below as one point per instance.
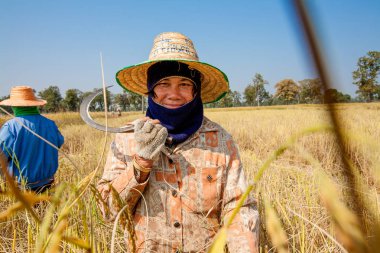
(303, 195)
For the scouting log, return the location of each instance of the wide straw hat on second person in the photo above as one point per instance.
(22, 96)
(173, 46)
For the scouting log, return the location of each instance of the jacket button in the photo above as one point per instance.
(209, 178)
(174, 193)
(176, 224)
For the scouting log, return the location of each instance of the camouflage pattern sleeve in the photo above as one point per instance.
(119, 184)
(243, 234)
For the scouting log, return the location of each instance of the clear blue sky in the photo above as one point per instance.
(58, 43)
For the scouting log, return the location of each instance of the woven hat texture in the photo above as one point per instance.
(173, 46)
(22, 96)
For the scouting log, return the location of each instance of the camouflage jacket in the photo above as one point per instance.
(190, 192)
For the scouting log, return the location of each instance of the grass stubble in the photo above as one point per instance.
(290, 157)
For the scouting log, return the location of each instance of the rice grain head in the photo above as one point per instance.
(346, 223)
(275, 229)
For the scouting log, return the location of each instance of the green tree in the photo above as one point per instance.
(311, 91)
(255, 93)
(122, 100)
(72, 100)
(98, 101)
(236, 98)
(7, 108)
(211, 105)
(365, 77)
(129, 101)
(135, 101)
(335, 96)
(83, 95)
(53, 97)
(226, 101)
(287, 91)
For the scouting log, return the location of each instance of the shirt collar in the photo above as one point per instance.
(207, 126)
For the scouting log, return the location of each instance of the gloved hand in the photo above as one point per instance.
(150, 137)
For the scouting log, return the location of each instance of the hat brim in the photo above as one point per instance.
(16, 102)
(214, 81)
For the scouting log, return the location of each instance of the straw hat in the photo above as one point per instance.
(22, 96)
(173, 46)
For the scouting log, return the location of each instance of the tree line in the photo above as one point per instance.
(309, 91)
(287, 91)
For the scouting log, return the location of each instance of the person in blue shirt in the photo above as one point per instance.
(30, 160)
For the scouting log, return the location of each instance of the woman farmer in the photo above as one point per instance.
(179, 173)
(30, 159)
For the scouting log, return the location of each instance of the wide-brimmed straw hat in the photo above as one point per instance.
(173, 46)
(22, 96)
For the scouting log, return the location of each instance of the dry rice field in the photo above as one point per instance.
(303, 193)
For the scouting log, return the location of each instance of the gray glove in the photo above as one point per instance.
(150, 138)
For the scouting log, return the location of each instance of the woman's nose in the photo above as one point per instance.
(175, 91)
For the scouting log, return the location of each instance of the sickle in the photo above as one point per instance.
(84, 113)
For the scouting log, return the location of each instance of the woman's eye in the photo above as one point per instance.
(162, 85)
(187, 85)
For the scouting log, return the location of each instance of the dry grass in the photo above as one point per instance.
(293, 186)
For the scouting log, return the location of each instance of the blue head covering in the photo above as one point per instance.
(183, 121)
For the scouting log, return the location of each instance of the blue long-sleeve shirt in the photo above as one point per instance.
(30, 158)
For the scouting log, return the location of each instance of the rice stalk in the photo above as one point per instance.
(30, 238)
(84, 184)
(275, 229)
(53, 241)
(24, 202)
(328, 235)
(126, 220)
(320, 62)
(83, 210)
(365, 146)
(56, 236)
(12, 210)
(99, 199)
(30, 197)
(44, 230)
(85, 181)
(346, 223)
(221, 237)
(14, 238)
(219, 242)
(278, 152)
(77, 242)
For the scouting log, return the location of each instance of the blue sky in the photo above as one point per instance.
(58, 43)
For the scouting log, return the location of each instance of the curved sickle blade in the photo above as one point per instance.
(84, 113)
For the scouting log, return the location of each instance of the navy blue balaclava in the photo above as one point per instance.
(185, 120)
